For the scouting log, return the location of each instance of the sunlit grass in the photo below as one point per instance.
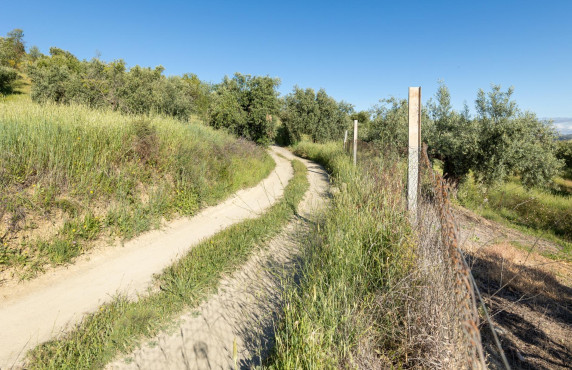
(122, 324)
(359, 251)
(124, 173)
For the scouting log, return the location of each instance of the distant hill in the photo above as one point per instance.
(562, 124)
(565, 137)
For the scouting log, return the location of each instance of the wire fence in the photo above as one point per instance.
(466, 292)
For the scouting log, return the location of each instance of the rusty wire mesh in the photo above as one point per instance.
(465, 295)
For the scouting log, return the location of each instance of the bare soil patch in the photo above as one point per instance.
(529, 296)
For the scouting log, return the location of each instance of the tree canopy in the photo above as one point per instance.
(12, 53)
(246, 105)
(500, 141)
(317, 115)
(63, 78)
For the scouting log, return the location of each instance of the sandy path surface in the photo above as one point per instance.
(234, 328)
(43, 308)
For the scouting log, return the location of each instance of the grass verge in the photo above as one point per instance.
(70, 175)
(538, 212)
(121, 324)
(338, 314)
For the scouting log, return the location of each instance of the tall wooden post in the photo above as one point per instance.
(414, 151)
(355, 142)
(345, 139)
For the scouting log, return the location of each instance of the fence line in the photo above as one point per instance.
(467, 299)
(465, 289)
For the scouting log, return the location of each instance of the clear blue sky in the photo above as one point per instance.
(359, 51)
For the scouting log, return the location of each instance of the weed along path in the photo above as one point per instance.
(38, 310)
(234, 328)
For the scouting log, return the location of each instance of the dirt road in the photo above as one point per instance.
(35, 311)
(234, 328)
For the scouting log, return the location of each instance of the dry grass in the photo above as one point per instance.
(436, 338)
(529, 296)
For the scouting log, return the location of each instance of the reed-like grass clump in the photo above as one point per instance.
(70, 174)
(336, 316)
(373, 291)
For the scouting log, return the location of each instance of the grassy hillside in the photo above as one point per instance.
(70, 175)
(541, 211)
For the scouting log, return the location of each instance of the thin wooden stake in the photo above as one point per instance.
(355, 142)
(414, 151)
(345, 139)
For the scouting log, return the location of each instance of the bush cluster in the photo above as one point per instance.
(499, 142)
(12, 53)
(564, 153)
(63, 78)
(317, 115)
(247, 106)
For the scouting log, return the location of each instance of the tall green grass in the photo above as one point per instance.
(540, 210)
(121, 324)
(336, 316)
(105, 173)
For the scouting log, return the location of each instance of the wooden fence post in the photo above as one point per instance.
(355, 142)
(345, 139)
(414, 151)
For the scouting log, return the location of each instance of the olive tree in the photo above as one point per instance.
(500, 141)
(389, 123)
(247, 106)
(452, 136)
(317, 115)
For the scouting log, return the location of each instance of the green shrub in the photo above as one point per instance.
(564, 153)
(63, 78)
(247, 106)
(7, 78)
(535, 208)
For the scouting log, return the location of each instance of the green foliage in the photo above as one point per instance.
(363, 117)
(564, 153)
(390, 122)
(538, 209)
(62, 78)
(453, 137)
(315, 114)
(300, 113)
(360, 249)
(7, 78)
(12, 49)
(511, 142)
(12, 52)
(501, 141)
(247, 106)
(133, 170)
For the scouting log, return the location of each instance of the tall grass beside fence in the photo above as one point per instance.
(373, 291)
(360, 251)
(74, 174)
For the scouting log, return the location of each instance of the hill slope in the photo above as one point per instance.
(70, 176)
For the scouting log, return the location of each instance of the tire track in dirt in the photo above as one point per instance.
(38, 310)
(234, 328)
